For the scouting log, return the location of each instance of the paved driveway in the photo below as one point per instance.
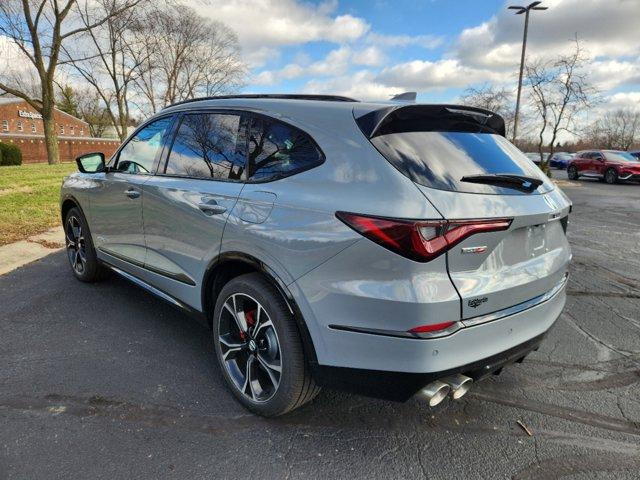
(105, 381)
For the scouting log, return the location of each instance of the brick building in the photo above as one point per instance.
(22, 126)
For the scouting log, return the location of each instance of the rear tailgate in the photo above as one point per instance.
(461, 162)
(496, 270)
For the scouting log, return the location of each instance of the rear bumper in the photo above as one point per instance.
(468, 345)
(400, 386)
(396, 368)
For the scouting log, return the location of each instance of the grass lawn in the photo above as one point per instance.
(29, 199)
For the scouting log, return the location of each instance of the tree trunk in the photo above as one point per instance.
(51, 138)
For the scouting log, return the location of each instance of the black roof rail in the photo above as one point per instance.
(282, 96)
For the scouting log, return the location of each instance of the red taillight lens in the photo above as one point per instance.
(419, 240)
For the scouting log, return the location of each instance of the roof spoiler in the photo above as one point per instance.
(428, 118)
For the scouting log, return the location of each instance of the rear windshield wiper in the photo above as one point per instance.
(508, 180)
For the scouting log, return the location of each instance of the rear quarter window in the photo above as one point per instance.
(278, 150)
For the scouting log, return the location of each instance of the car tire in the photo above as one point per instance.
(572, 172)
(611, 176)
(261, 338)
(80, 250)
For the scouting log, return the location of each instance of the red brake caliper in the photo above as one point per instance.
(251, 319)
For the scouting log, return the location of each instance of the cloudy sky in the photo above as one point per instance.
(371, 49)
(375, 48)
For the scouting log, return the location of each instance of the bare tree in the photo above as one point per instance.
(559, 91)
(110, 61)
(40, 29)
(617, 130)
(493, 98)
(185, 56)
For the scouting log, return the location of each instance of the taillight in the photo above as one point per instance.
(419, 240)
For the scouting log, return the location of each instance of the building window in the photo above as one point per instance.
(5, 125)
(81, 132)
(61, 129)
(19, 125)
(33, 128)
(71, 129)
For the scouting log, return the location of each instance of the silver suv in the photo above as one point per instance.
(390, 249)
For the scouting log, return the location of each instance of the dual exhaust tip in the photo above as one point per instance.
(435, 392)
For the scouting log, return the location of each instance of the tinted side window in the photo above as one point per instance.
(277, 150)
(208, 145)
(140, 152)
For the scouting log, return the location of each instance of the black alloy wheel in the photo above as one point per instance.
(250, 347)
(259, 347)
(76, 247)
(80, 251)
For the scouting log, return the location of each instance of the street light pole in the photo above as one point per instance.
(520, 11)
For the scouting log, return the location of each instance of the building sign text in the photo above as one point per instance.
(22, 113)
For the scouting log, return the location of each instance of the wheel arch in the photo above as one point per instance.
(67, 204)
(229, 265)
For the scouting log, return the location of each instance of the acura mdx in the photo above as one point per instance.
(391, 249)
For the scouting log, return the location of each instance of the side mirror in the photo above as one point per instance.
(600, 159)
(91, 162)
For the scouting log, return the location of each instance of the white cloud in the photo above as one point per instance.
(371, 56)
(625, 100)
(423, 75)
(337, 62)
(608, 28)
(16, 70)
(267, 24)
(609, 74)
(259, 56)
(13, 57)
(263, 26)
(487, 52)
(361, 85)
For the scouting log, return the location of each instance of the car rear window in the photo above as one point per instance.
(439, 159)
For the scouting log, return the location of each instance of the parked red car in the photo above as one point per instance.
(608, 165)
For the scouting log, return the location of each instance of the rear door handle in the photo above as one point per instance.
(131, 193)
(212, 208)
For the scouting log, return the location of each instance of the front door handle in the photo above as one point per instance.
(131, 193)
(212, 208)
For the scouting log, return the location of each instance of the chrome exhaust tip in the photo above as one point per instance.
(434, 393)
(459, 384)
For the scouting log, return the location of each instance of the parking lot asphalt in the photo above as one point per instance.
(106, 381)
